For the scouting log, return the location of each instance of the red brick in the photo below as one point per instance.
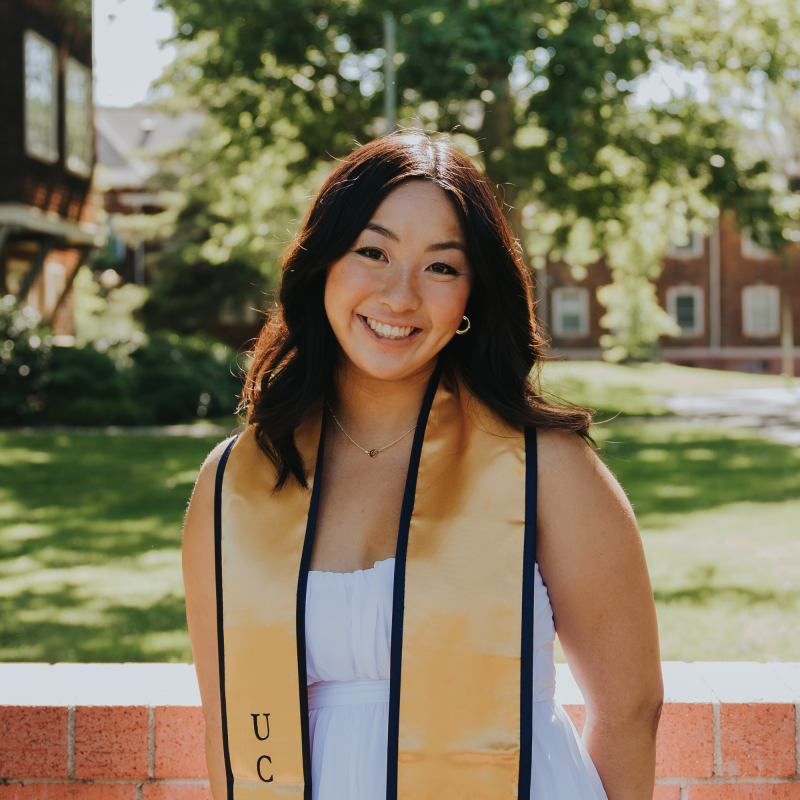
(686, 741)
(664, 792)
(164, 791)
(111, 742)
(578, 716)
(180, 743)
(746, 791)
(68, 791)
(757, 739)
(33, 742)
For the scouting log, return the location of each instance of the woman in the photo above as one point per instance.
(376, 568)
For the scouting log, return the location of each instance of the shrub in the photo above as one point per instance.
(84, 387)
(165, 379)
(178, 378)
(25, 347)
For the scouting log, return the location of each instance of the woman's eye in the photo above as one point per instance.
(371, 252)
(443, 269)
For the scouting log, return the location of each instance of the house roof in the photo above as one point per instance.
(130, 141)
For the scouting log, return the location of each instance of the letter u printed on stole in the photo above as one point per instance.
(261, 739)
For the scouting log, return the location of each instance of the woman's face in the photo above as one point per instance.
(396, 297)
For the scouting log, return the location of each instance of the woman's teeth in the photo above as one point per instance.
(389, 331)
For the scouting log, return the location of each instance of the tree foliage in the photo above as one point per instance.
(543, 95)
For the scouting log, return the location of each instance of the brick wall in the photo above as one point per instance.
(738, 270)
(729, 731)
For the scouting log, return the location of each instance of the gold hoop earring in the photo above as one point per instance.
(458, 330)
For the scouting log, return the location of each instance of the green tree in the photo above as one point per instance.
(539, 93)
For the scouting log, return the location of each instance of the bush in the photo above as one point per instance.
(85, 387)
(164, 380)
(25, 347)
(178, 378)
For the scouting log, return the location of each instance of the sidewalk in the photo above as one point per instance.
(776, 411)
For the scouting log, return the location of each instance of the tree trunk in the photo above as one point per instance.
(787, 331)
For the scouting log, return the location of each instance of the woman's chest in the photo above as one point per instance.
(359, 510)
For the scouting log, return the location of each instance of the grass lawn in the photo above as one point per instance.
(90, 546)
(90, 531)
(719, 511)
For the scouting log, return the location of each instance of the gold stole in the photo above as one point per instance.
(460, 713)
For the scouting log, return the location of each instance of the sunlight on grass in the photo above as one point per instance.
(719, 511)
(90, 543)
(727, 582)
(90, 546)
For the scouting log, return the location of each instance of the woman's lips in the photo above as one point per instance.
(384, 330)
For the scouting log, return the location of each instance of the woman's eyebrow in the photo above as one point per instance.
(373, 226)
(453, 244)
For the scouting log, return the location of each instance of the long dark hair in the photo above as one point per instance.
(296, 352)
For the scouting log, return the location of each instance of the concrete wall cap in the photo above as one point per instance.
(98, 685)
(683, 683)
(746, 682)
(176, 684)
(788, 674)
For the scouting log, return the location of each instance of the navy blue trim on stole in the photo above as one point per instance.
(526, 651)
(220, 633)
(398, 599)
(302, 586)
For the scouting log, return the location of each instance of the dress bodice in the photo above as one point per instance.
(348, 649)
(349, 628)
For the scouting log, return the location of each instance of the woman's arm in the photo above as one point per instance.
(593, 564)
(201, 612)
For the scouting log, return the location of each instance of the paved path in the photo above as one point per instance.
(775, 411)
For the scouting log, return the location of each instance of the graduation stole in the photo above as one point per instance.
(461, 693)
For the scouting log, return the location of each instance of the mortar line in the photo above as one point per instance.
(716, 707)
(71, 742)
(797, 738)
(151, 742)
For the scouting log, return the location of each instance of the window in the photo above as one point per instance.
(751, 250)
(571, 311)
(41, 98)
(692, 248)
(78, 118)
(760, 311)
(685, 306)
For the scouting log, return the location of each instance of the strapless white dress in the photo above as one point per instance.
(348, 636)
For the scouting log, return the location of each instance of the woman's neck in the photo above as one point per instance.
(371, 409)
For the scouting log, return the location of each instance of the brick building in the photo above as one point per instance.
(46, 152)
(727, 295)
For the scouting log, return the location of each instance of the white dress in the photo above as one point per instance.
(348, 636)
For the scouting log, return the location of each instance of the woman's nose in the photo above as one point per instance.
(400, 291)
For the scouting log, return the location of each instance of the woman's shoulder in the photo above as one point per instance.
(203, 493)
(571, 471)
(560, 449)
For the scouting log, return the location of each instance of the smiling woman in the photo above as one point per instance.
(376, 567)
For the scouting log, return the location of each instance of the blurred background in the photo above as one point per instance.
(157, 157)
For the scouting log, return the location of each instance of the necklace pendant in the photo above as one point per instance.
(372, 453)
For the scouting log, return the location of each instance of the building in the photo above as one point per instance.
(46, 152)
(727, 295)
(131, 144)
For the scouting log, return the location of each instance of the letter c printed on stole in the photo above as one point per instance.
(258, 769)
(255, 726)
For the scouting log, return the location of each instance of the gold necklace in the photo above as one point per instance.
(371, 453)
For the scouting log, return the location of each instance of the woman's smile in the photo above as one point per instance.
(387, 331)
